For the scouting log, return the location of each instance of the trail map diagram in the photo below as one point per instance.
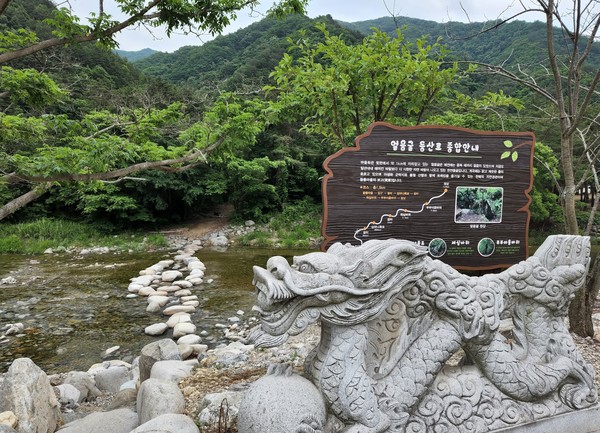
(395, 215)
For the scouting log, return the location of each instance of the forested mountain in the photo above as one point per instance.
(515, 42)
(243, 58)
(134, 56)
(249, 55)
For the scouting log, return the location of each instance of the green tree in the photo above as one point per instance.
(103, 146)
(340, 88)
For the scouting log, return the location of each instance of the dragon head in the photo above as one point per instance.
(345, 285)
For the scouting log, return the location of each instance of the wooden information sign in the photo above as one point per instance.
(461, 193)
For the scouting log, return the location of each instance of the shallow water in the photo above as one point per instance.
(73, 308)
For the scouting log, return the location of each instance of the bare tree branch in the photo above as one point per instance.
(3, 5)
(16, 204)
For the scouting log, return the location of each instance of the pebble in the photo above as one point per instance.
(156, 329)
(178, 309)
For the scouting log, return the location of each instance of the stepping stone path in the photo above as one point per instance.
(168, 287)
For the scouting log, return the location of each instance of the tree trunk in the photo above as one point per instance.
(16, 204)
(582, 307)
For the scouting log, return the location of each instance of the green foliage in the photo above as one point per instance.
(545, 204)
(28, 86)
(339, 89)
(297, 226)
(43, 233)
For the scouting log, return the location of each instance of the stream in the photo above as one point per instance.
(75, 307)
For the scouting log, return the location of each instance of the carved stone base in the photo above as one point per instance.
(580, 421)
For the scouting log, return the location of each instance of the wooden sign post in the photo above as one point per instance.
(461, 193)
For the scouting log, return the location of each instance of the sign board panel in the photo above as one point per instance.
(461, 193)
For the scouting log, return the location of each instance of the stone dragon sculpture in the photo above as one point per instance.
(391, 317)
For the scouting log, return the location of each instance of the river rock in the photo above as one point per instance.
(178, 318)
(85, 383)
(159, 299)
(156, 329)
(146, 291)
(158, 397)
(183, 328)
(165, 349)
(183, 284)
(115, 421)
(190, 339)
(196, 273)
(185, 350)
(26, 391)
(211, 409)
(125, 398)
(68, 393)
(169, 276)
(7, 429)
(182, 292)
(169, 311)
(153, 307)
(8, 419)
(188, 298)
(194, 280)
(168, 423)
(169, 289)
(172, 371)
(197, 265)
(111, 379)
(144, 280)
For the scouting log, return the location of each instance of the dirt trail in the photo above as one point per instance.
(204, 225)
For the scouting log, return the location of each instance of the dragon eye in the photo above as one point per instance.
(307, 267)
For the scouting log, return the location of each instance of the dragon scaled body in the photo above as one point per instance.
(391, 317)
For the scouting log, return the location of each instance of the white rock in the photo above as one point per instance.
(190, 339)
(168, 423)
(210, 281)
(183, 284)
(196, 273)
(165, 263)
(158, 397)
(110, 379)
(189, 298)
(169, 276)
(115, 421)
(169, 289)
(199, 348)
(131, 296)
(195, 281)
(183, 328)
(9, 418)
(146, 291)
(197, 265)
(178, 318)
(156, 329)
(160, 300)
(185, 350)
(169, 311)
(153, 307)
(144, 280)
(172, 370)
(134, 287)
(191, 303)
(183, 292)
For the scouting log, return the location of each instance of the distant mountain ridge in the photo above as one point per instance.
(250, 54)
(134, 56)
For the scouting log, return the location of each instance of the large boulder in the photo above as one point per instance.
(158, 397)
(115, 421)
(210, 413)
(169, 423)
(281, 402)
(26, 391)
(165, 349)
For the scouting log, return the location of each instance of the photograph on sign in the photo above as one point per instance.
(463, 194)
(480, 205)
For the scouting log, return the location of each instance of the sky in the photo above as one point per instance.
(344, 10)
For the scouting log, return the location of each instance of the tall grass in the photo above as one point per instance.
(298, 226)
(37, 236)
